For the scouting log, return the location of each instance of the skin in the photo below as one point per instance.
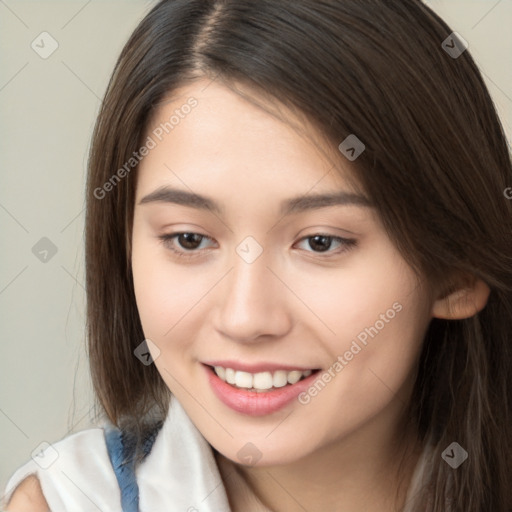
(292, 305)
(28, 497)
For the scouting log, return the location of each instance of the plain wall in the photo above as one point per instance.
(48, 108)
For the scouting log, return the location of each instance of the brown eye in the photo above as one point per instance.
(320, 242)
(189, 241)
(185, 244)
(323, 243)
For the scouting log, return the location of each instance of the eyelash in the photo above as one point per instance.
(167, 239)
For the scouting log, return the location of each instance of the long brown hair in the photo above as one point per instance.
(436, 165)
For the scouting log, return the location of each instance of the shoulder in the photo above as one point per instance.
(65, 475)
(28, 497)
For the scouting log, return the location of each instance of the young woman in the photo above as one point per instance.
(299, 270)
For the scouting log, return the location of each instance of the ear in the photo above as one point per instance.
(462, 301)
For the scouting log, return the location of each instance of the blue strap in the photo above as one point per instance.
(122, 457)
(124, 468)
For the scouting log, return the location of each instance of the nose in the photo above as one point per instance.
(254, 302)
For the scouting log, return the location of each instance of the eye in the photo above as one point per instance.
(320, 242)
(189, 243)
(187, 240)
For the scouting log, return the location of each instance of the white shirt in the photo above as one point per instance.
(179, 474)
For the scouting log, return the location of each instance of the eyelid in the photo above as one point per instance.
(166, 240)
(347, 244)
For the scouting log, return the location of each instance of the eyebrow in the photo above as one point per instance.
(289, 206)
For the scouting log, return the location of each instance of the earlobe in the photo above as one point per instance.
(464, 302)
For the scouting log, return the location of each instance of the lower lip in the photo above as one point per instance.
(253, 403)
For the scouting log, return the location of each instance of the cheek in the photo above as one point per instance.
(377, 317)
(349, 300)
(373, 367)
(155, 294)
(379, 353)
(169, 296)
(164, 296)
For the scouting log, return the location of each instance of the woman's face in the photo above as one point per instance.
(268, 280)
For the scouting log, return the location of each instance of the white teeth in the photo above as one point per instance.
(230, 376)
(294, 377)
(280, 378)
(243, 379)
(221, 372)
(261, 381)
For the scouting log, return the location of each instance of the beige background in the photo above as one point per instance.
(48, 107)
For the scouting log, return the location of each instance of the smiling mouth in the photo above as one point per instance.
(260, 382)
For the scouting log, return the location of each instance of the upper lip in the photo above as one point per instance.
(257, 367)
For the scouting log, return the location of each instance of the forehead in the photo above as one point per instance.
(207, 135)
